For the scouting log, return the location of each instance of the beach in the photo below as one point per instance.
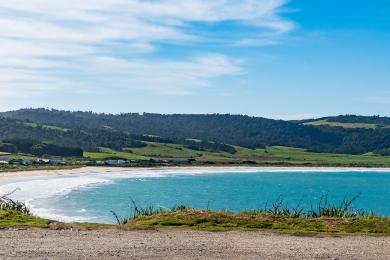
(82, 170)
(103, 170)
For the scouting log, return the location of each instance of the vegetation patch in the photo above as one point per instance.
(14, 218)
(17, 214)
(269, 156)
(225, 221)
(107, 153)
(325, 122)
(326, 218)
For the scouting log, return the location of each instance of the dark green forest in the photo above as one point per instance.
(213, 132)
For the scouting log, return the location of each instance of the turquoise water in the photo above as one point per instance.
(229, 190)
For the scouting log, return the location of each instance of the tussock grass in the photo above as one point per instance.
(136, 212)
(326, 218)
(8, 204)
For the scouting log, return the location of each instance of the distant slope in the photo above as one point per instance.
(232, 129)
(251, 132)
(327, 122)
(351, 121)
(377, 120)
(18, 132)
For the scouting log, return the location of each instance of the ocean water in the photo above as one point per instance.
(92, 197)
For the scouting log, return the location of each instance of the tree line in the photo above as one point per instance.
(215, 131)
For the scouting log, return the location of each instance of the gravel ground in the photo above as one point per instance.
(119, 244)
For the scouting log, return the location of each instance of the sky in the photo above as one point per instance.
(272, 58)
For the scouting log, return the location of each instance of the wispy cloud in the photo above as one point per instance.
(50, 45)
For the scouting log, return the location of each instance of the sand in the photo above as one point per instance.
(83, 170)
(97, 170)
(120, 244)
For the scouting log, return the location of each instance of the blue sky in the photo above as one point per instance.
(273, 58)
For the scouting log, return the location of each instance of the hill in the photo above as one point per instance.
(213, 132)
(350, 121)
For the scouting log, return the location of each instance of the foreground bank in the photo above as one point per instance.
(327, 220)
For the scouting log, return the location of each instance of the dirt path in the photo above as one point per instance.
(115, 244)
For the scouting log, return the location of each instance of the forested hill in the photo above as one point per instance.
(239, 130)
(369, 121)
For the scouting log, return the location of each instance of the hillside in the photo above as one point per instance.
(350, 121)
(200, 132)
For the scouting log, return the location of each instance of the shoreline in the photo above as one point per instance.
(104, 170)
(38, 185)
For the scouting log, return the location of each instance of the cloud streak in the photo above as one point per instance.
(50, 45)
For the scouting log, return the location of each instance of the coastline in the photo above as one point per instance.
(35, 187)
(105, 170)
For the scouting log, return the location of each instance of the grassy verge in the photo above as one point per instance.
(220, 221)
(17, 214)
(326, 218)
(15, 218)
(227, 221)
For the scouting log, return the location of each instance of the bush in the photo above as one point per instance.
(9, 204)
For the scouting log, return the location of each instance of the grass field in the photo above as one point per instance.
(339, 124)
(106, 153)
(275, 155)
(49, 127)
(166, 150)
(297, 155)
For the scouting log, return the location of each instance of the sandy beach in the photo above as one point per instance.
(82, 170)
(98, 170)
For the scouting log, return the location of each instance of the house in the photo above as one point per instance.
(134, 161)
(115, 162)
(20, 162)
(42, 161)
(191, 161)
(54, 162)
(99, 162)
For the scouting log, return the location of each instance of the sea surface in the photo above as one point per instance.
(93, 197)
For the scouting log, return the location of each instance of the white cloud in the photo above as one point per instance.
(160, 76)
(45, 43)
